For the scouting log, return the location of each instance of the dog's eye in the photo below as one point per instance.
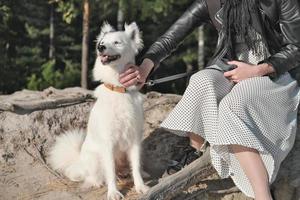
(117, 42)
(101, 42)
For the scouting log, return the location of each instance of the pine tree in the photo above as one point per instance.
(85, 44)
(41, 41)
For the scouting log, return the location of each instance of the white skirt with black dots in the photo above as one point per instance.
(257, 112)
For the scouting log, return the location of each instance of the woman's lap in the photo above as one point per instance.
(257, 112)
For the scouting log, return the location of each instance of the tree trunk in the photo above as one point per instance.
(120, 16)
(200, 48)
(85, 44)
(51, 35)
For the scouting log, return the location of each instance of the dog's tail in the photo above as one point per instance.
(64, 156)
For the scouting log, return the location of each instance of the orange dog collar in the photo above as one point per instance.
(115, 88)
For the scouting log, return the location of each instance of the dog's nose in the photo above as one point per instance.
(101, 48)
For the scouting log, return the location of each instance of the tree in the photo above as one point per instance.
(85, 44)
(200, 48)
(42, 44)
(51, 35)
(121, 16)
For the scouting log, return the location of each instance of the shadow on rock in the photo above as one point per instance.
(159, 148)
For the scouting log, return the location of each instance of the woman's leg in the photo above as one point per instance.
(196, 141)
(251, 163)
(197, 109)
(254, 169)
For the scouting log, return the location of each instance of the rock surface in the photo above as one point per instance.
(29, 122)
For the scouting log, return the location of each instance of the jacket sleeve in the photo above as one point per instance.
(289, 55)
(194, 16)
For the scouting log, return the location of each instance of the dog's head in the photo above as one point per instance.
(117, 48)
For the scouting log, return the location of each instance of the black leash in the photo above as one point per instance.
(168, 78)
(160, 80)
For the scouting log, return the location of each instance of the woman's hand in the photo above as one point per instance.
(245, 70)
(134, 75)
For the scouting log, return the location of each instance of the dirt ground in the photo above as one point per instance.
(29, 179)
(25, 138)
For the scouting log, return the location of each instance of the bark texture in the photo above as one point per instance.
(85, 44)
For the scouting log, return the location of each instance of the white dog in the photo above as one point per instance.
(115, 124)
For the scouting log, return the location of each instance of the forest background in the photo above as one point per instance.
(52, 42)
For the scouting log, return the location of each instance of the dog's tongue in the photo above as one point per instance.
(104, 58)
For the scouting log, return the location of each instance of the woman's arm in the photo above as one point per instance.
(289, 55)
(193, 17)
(284, 60)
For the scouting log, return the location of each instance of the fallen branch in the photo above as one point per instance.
(172, 185)
(50, 98)
(60, 177)
(226, 191)
(43, 104)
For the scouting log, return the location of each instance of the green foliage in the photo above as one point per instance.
(56, 78)
(24, 39)
(69, 10)
(156, 8)
(5, 13)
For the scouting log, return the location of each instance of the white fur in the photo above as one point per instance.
(105, 28)
(133, 31)
(115, 123)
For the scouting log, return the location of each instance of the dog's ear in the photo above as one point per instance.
(105, 28)
(132, 30)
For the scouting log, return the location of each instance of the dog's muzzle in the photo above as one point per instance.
(106, 59)
(101, 48)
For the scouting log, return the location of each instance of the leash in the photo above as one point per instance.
(168, 78)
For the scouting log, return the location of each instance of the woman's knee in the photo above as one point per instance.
(235, 103)
(203, 78)
(232, 102)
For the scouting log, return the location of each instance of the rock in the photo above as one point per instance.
(29, 122)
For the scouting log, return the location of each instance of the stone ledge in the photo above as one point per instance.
(28, 128)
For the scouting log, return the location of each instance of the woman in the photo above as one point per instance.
(248, 114)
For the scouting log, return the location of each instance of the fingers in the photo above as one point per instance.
(130, 79)
(239, 64)
(229, 73)
(234, 62)
(130, 75)
(234, 80)
(131, 82)
(129, 68)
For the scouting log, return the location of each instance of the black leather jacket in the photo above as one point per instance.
(280, 20)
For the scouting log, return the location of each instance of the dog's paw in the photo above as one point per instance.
(114, 195)
(141, 189)
(92, 182)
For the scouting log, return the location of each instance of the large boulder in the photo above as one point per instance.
(29, 122)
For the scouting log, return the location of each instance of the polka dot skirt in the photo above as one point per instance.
(257, 112)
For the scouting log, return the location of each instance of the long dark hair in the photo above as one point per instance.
(238, 20)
